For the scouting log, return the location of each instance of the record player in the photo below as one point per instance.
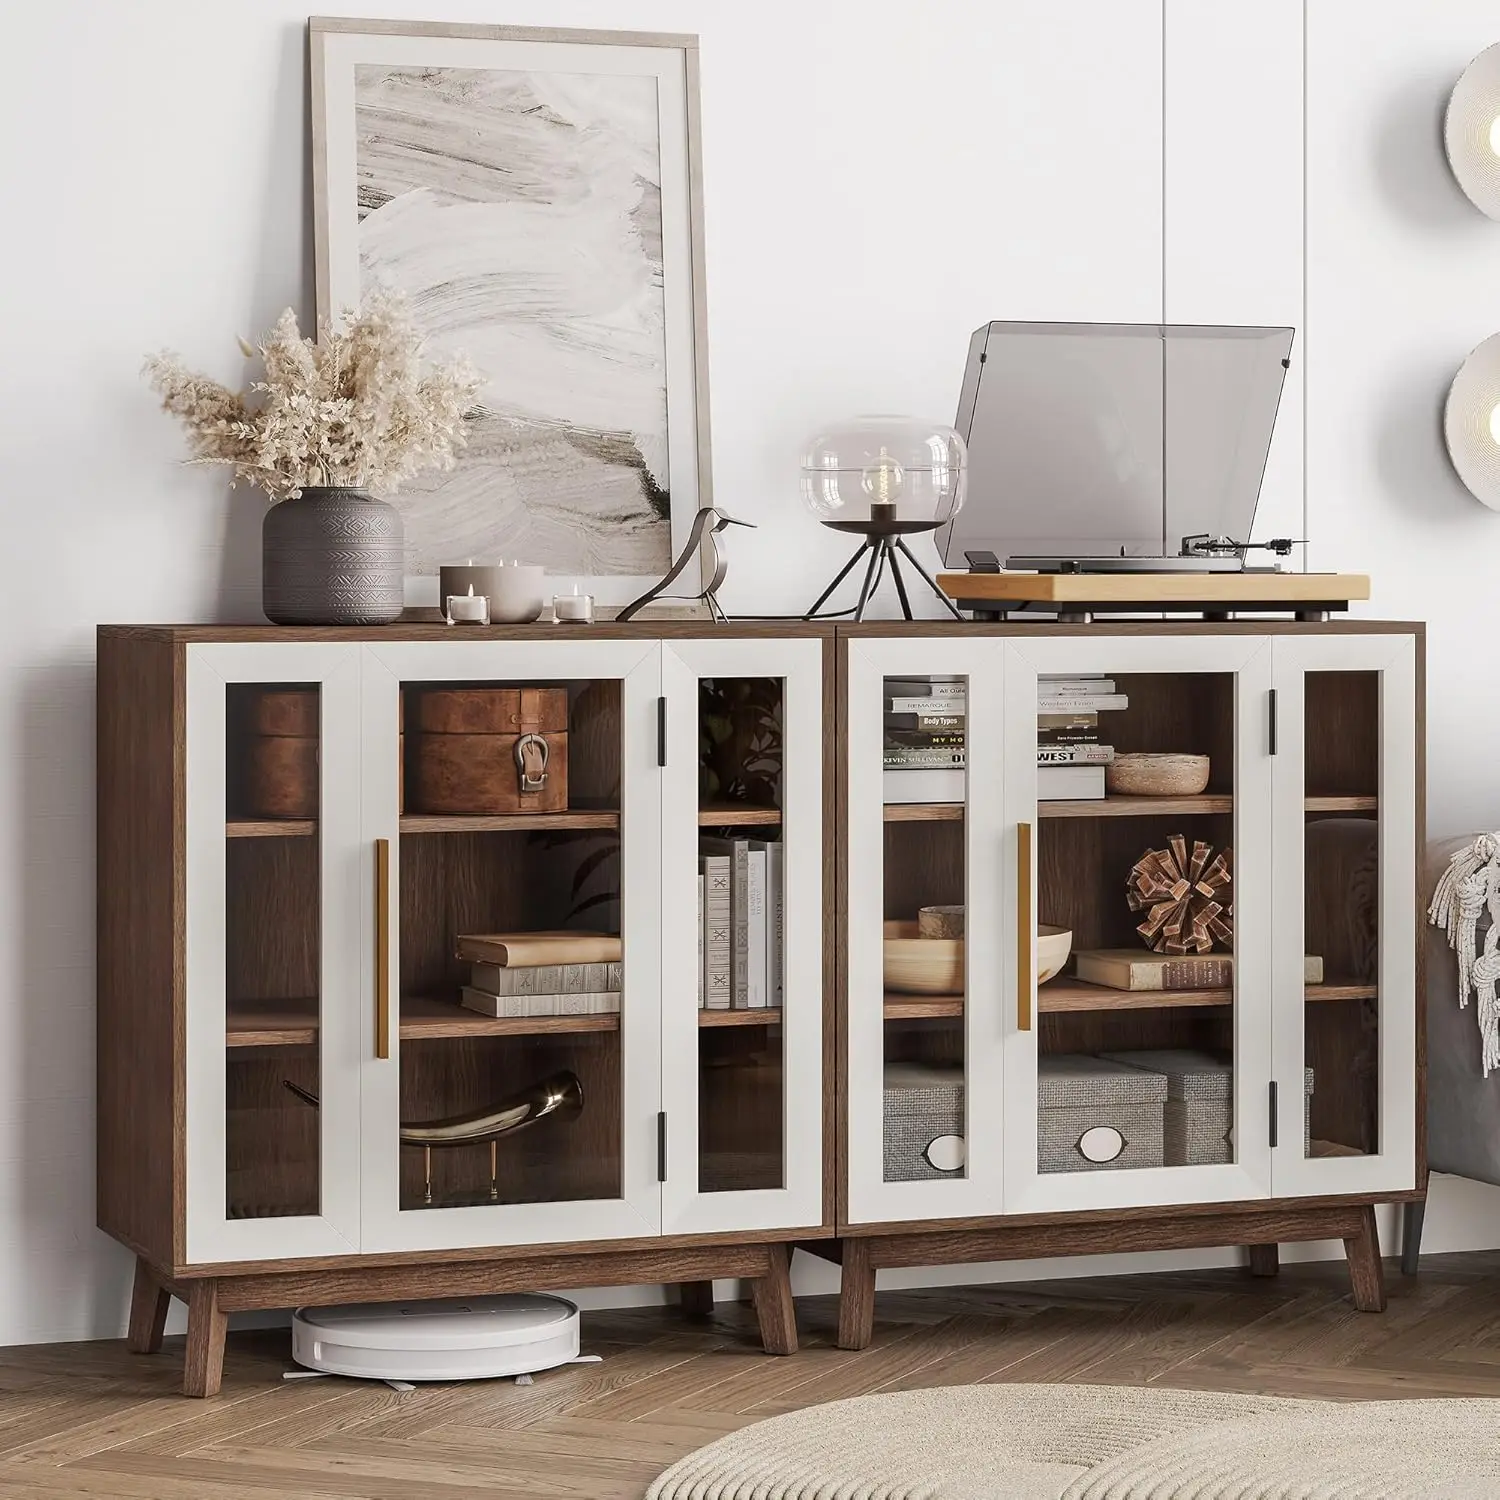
(1117, 468)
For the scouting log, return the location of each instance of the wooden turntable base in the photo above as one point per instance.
(1215, 596)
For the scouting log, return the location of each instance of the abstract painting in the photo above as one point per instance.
(533, 198)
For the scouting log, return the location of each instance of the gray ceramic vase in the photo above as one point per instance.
(332, 556)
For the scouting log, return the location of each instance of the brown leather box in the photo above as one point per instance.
(487, 751)
(281, 763)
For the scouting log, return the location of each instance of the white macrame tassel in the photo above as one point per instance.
(1469, 888)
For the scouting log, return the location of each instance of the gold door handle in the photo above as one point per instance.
(1025, 961)
(382, 948)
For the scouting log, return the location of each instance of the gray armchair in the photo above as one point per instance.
(1463, 1106)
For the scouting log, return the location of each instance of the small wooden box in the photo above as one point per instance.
(490, 751)
(281, 761)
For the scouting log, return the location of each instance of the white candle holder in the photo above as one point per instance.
(573, 609)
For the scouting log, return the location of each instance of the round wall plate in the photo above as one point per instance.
(1471, 131)
(1471, 423)
(459, 1338)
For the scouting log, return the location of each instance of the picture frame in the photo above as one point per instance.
(537, 195)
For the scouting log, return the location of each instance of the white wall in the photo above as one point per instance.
(881, 179)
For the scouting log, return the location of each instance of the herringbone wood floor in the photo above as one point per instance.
(91, 1420)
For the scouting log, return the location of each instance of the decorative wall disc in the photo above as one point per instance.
(1471, 423)
(1471, 132)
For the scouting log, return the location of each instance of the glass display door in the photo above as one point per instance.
(1346, 907)
(930, 913)
(743, 975)
(1137, 1003)
(273, 911)
(512, 833)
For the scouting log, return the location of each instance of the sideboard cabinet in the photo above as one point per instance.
(289, 852)
(296, 1106)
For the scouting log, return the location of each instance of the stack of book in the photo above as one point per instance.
(924, 738)
(542, 973)
(1070, 751)
(741, 921)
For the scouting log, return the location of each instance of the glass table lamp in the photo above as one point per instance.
(884, 479)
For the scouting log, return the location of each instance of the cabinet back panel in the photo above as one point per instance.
(741, 1109)
(271, 1136)
(1342, 750)
(1188, 713)
(272, 901)
(924, 866)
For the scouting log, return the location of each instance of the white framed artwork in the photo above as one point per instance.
(536, 195)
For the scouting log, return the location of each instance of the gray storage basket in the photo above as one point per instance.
(923, 1104)
(1198, 1120)
(1077, 1095)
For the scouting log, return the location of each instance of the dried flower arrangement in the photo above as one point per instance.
(353, 408)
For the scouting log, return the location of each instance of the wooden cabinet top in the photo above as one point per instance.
(748, 628)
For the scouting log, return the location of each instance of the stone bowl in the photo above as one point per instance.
(1151, 774)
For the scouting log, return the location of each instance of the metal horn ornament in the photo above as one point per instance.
(560, 1095)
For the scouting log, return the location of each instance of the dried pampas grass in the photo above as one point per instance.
(355, 408)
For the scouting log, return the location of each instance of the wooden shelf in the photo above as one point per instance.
(426, 1019)
(1116, 807)
(271, 1023)
(737, 815)
(291, 1023)
(922, 1007)
(270, 828)
(604, 817)
(924, 812)
(1137, 807)
(1062, 995)
(714, 1018)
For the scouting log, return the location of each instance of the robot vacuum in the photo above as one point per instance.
(460, 1338)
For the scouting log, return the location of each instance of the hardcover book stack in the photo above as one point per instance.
(924, 738)
(1070, 751)
(542, 973)
(741, 920)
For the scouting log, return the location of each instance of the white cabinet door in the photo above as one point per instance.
(925, 1037)
(574, 1173)
(1345, 896)
(742, 1075)
(273, 916)
(1079, 1135)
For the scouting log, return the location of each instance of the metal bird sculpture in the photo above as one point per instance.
(709, 522)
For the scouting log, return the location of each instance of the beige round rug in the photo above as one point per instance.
(1059, 1442)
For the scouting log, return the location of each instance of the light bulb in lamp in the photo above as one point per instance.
(1495, 135)
(1495, 423)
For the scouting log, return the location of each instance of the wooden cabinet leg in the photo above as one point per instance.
(148, 1311)
(774, 1308)
(207, 1324)
(856, 1296)
(1265, 1260)
(697, 1298)
(1366, 1276)
(1411, 1236)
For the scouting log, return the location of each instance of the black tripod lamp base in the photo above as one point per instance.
(885, 550)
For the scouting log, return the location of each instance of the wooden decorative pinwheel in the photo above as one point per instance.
(1188, 901)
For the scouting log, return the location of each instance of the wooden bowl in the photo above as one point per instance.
(1053, 945)
(915, 965)
(1151, 774)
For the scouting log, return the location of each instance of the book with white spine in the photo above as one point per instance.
(755, 929)
(775, 919)
(700, 939)
(718, 914)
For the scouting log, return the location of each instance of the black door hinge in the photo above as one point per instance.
(661, 731)
(1273, 1112)
(1273, 721)
(661, 1146)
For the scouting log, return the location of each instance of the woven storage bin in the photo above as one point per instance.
(1198, 1119)
(1094, 1115)
(924, 1105)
